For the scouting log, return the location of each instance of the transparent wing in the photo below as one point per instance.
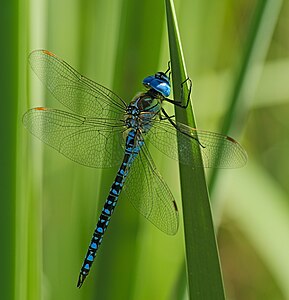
(80, 94)
(218, 151)
(92, 142)
(150, 195)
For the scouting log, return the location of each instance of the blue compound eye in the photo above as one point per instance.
(163, 76)
(159, 82)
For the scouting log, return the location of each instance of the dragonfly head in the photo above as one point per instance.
(159, 82)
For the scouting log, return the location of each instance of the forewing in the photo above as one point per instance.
(92, 142)
(218, 151)
(80, 94)
(150, 195)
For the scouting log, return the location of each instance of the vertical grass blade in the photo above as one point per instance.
(248, 74)
(202, 259)
(8, 133)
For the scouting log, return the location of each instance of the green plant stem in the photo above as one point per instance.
(202, 260)
(8, 132)
(247, 77)
(260, 33)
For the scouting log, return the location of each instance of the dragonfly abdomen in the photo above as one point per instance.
(131, 152)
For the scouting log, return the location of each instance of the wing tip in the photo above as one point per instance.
(33, 54)
(40, 108)
(48, 53)
(231, 139)
(242, 152)
(27, 114)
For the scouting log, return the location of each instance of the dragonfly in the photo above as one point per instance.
(102, 131)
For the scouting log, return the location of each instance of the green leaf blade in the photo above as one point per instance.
(202, 259)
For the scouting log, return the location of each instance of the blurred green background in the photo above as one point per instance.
(50, 205)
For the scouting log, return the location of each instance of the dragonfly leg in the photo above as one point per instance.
(177, 128)
(179, 102)
(169, 68)
(166, 117)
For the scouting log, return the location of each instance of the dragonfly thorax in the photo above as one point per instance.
(142, 109)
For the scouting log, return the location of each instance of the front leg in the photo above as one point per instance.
(179, 102)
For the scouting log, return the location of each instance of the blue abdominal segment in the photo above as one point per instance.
(131, 152)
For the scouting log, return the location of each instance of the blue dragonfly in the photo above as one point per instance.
(103, 131)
